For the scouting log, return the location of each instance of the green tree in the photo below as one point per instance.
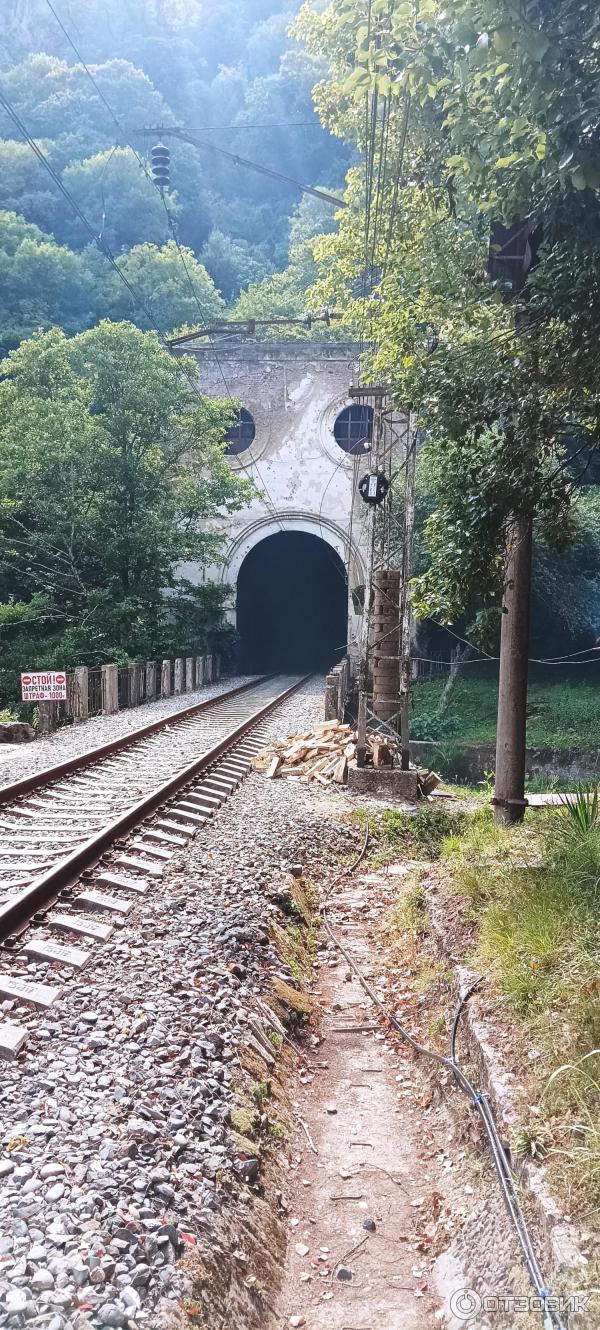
(467, 113)
(162, 285)
(283, 295)
(230, 264)
(218, 65)
(25, 186)
(41, 283)
(119, 200)
(57, 99)
(110, 465)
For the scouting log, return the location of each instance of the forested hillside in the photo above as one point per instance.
(230, 73)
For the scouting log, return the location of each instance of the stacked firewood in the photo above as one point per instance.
(324, 754)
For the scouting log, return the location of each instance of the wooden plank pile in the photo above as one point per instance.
(321, 754)
(324, 754)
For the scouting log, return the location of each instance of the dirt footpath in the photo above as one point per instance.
(372, 1197)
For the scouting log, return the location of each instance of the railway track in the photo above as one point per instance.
(81, 841)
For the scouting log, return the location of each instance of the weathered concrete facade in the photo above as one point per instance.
(294, 392)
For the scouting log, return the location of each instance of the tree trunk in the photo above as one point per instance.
(509, 795)
(459, 658)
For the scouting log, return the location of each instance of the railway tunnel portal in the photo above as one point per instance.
(291, 605)
(296, 557)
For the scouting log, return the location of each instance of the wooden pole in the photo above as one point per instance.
(509, 795)
(361, 730)
(406, 609)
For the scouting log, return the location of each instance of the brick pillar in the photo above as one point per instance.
(165, 679)
(110, 689)
(150, 680)
(81, 708)
(178, 685)
(190, 664)
(385, 644)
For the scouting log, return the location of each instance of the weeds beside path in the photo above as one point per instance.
(522, 906)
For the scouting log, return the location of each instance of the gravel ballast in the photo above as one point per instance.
(21, 760)
(117, 1156)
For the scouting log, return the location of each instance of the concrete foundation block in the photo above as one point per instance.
(390, 783)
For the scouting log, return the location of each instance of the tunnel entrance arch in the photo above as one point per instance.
(292, 604)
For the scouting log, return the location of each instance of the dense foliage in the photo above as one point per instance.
(468, 113)
(109, 462)
(232, 72)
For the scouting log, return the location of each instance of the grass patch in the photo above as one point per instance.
(535, 894)
(419, 835)
(561, 714)
(411, 913)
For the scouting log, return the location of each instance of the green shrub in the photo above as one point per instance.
(574, 856)
(581, 808)
(422, 834)
(433, 725)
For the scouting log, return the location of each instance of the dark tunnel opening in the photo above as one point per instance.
(292, 605)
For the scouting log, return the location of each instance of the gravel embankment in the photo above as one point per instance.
(25, 759)
(116, 1152)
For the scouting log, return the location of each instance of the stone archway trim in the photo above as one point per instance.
(329, 531)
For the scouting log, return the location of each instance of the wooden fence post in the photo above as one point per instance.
(150, 680)
(133, 683)
(81, 708)
(110, 689)
(47, 716)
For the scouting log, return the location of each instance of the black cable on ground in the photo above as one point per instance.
(551, 1320)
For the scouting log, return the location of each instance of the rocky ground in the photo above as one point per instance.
(154, 1168)
(116, 1152)
(24, 759)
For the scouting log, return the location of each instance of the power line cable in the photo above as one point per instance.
(267, 124)
(138, 300)
(170, 221)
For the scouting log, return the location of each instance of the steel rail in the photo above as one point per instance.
(65, 873)
(38, 780)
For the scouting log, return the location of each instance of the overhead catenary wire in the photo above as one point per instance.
(170, 220)
(104, 249)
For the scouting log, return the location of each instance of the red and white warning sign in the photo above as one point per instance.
(44, 686)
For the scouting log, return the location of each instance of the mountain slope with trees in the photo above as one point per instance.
(230, 73)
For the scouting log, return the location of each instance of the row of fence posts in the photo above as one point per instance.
(337, 688)
(145, 682)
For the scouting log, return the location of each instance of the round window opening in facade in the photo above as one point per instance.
(353, 429)
(241, 434)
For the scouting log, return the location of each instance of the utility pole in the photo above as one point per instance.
(406, 614)
(512, 255)
(509, 795)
